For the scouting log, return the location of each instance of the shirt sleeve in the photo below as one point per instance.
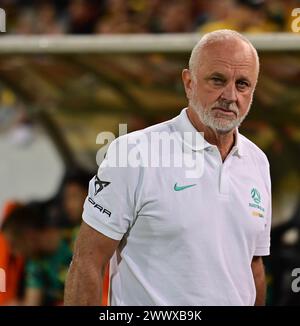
(110, 206)
(264, 238)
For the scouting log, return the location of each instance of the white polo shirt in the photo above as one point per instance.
(185, 240)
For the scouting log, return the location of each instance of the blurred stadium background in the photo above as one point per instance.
(59, 89)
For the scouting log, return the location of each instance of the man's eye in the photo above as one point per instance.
(242, 84)
(217, 80)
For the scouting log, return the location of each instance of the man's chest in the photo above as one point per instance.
(219, 201)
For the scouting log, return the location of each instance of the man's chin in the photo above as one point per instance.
(219, 125)
(224, 131)
(223, 128)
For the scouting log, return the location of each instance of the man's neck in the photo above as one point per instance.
(224, 141)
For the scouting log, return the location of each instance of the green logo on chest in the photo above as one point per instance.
(255, 196)
(179, 188)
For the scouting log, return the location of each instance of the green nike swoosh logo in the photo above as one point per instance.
(179, 188)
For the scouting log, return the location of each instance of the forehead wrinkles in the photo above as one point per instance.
(236, 55)
(219, 62)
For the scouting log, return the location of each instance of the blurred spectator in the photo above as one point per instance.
(176, 17)
(25, 22)
(284, 259)
(33, 234)
(47, 21)
(83, 15)
(12, 264)
(248, 16)
(74, 191)
(118, 19)
(215, 12)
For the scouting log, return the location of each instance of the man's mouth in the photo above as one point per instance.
(225, 112)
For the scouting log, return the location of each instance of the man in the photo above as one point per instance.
(182, 240)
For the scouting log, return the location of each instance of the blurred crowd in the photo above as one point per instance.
(36, 243)
(146, 16)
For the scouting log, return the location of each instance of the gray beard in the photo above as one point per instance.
(220, 125)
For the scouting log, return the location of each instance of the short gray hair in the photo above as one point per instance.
(214, 37)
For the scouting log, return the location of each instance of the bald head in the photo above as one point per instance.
(227, 40)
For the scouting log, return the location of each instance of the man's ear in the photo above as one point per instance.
(187, 82)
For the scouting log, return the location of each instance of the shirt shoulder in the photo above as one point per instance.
(254, 151)
(166, 126)
(258, 159)
(135, 144)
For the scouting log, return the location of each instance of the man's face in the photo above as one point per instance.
(223, 85)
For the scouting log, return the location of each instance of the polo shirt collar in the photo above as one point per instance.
(195, 139)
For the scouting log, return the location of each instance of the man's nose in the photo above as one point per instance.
(229, 93)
